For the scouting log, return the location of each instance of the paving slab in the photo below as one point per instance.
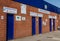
(51, 36)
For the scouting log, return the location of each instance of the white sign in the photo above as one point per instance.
(2, 17)
(46, 20)
(44, 23)
(45, 6)
(50, 16)
(54, 17)
(18, 18)
(36, 19)
(23, 8)
(44, 11)
(9, 10)
(40, 15)
(33, 14)
(23, 18)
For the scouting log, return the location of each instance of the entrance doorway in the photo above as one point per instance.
(10, 27)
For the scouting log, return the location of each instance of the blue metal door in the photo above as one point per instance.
(40, 25)
(53, 24)
(33, 26)
(50, 25)
(10, 26)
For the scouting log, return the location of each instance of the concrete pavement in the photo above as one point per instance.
(51, 36)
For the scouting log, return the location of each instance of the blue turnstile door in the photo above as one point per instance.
(53, 24)
(33, 26)
(40, 25)
(10, 26)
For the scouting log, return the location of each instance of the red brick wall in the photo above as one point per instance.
(58, 20)
(2, 25)
(22, 28)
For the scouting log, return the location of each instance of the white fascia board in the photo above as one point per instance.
(54, 17)
(50, 16)
(9, 10)
(33, 14)
(40, 15)
(44, 11)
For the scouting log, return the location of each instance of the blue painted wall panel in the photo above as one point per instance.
(51, 7)
(35, 3)
(58, 10)
(40, 4)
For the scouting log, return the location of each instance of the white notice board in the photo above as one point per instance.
(10, 10)
(33, 14)
(23, 9)
(18, 18)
